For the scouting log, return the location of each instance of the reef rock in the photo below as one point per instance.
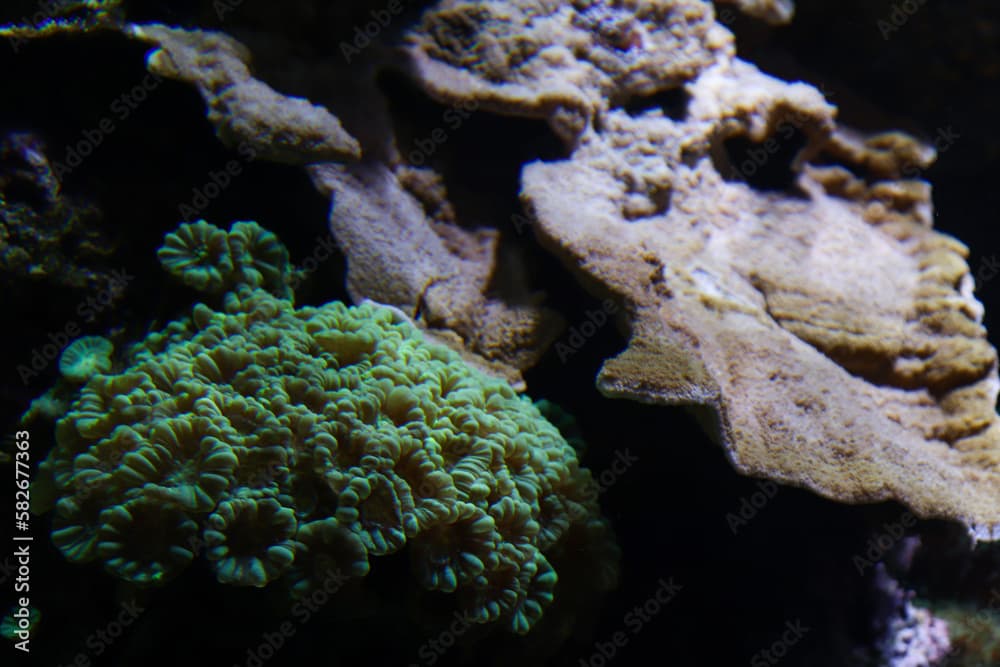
(243, 109)
(830, 329)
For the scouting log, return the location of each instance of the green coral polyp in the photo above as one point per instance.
(74, 528)
(146, 542)
(86, 357)
(287, 441)
(211, 260)
(326, 547)
(537, 582)
(459, 552)
(249, 541)
(379, 512)
(198, 253)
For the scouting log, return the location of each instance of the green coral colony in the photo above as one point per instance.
(284, 443)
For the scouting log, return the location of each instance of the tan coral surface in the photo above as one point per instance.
(833, 332)
(562, 61)
(773, 11)
(242, 108)
(432, 270)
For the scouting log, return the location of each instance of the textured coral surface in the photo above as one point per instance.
(834, 334)
(243, 109)
(304, 441)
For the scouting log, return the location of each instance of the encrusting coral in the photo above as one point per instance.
(243, 109)
(282, 442)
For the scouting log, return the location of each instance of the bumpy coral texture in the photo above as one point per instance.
(86, 357)
(276, 441)
(211, 260)
(562, 61)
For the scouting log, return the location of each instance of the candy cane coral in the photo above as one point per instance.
(278, 441)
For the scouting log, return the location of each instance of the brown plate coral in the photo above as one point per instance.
(832, 332)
